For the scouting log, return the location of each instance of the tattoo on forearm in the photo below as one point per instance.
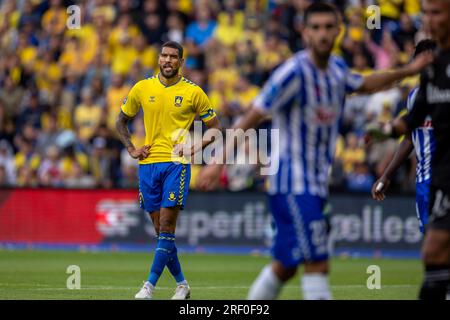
(122, 129)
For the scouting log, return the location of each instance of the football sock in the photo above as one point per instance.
(166, 243)
(315, 286)
(266, 286)
(436, 283)
(175, 268)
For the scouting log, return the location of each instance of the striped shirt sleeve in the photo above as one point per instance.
(353, 81)
(280, 88)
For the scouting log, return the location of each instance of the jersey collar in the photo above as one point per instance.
(171, 84)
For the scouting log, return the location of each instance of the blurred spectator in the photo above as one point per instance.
(153, 28)
(27, 162)
(87, 116)
(54, 19)
(406, 32)
(48, 136)
(246, 60)
(115, 95)
(11, 95)
(360, 179)
(175, 28)
(274, 52)
(386, 54)
(50, 172)
(72, 158)
(376, 102)
(8, 176)
(198, 34)
(352, 154)
(114, 147)
(244, 94)
(378, 156)
(147, 56)
(31, 114)
(100, 163)
(230, 24)
(6, 124)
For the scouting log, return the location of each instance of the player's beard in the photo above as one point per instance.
(170, 75)
(324, 51)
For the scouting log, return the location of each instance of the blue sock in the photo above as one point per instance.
(174, 266)
(166, 243)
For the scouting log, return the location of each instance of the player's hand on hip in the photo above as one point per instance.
(420, 62)
(209, 177)
(179, 150)
(140, 153)
(379, 188)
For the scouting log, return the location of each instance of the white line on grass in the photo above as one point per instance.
(208, 287)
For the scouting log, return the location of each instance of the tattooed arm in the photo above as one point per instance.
(125, 137)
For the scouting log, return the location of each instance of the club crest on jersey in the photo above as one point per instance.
(178, 101)
(172, 196)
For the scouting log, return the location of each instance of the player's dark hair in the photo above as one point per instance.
(319, 7)
(424, 45)
(174, 45)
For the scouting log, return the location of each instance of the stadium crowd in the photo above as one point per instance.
(61, 88)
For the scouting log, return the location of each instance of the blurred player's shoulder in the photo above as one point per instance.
(339, 61)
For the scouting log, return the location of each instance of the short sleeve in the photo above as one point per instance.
(420, 108)
(131, 105)
(280, 88)
(353, 81)
(411, 97)
(202, 105)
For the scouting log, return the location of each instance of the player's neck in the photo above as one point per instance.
(445, 45)
(319, 62)
(168, 81)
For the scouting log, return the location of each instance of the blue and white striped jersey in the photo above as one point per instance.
(424, 143)
(307, 106)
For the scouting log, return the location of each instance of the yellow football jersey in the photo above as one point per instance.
(168, 111)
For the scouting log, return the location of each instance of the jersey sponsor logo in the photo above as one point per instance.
(321, 115)
(437, 95)
(152, 99)
(178, 101)
(430, 72)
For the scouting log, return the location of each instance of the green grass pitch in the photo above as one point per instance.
(119, 275)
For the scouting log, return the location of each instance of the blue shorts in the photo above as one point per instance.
(422, 203)
(301, 229)
(163, 185)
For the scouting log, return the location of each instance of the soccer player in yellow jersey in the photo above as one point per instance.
(169, 103)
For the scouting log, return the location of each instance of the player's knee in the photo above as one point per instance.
(167, 225)
(317, 267)
(283, 273)
(435, 250)
(433, 255)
